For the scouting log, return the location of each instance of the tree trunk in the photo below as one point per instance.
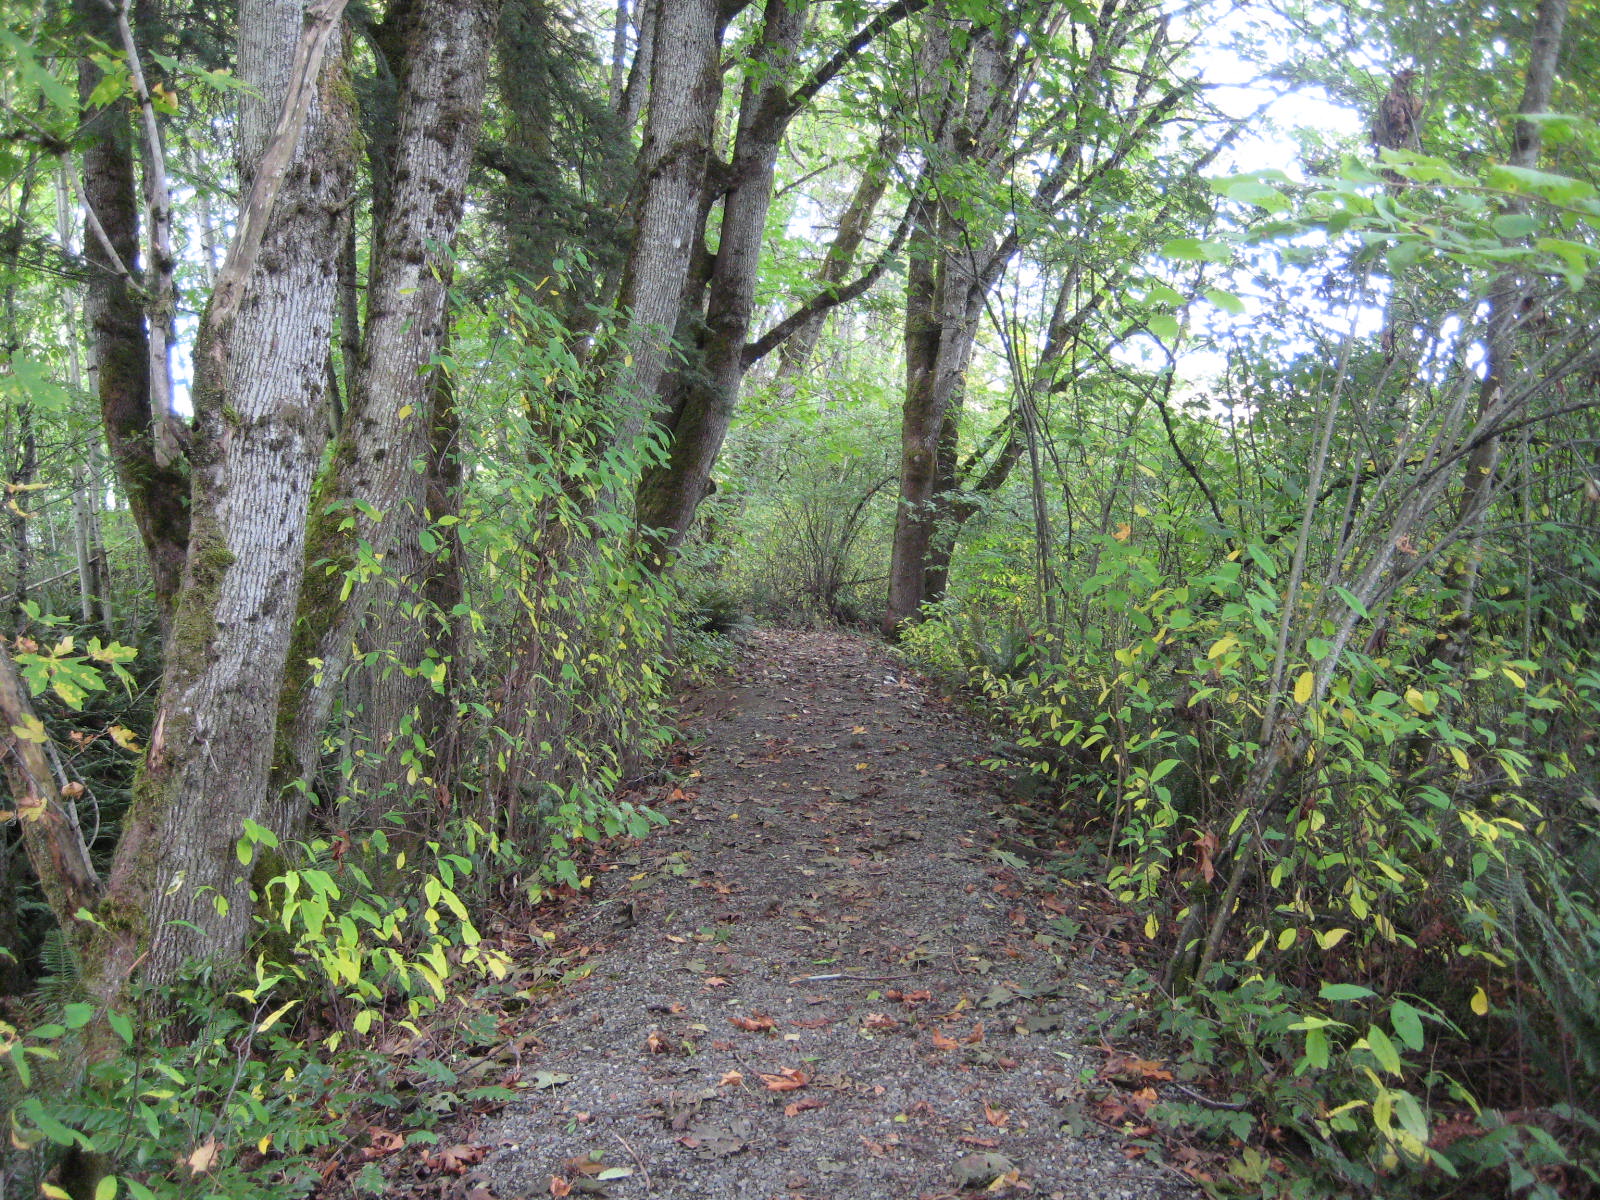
(176, 891)
(709, 388)
(372, 503)
(120, 351)
(1480, 483)
(685, 91)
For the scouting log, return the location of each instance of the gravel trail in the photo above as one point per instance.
(819, 981)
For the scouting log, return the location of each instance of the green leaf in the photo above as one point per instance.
(1383, 1050)
(1407, 1022)
(1163, 326)
(1345, 991)
(106, 1189)
(1226, 301)
(122, 1025)
(1188, 249)
(1349, 598)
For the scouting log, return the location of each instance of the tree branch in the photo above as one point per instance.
(888, 18)
(828, 298)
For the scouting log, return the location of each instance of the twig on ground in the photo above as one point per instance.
(638, 1162)
(849, 978)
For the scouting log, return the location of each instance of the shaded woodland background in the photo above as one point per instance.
(401, 400)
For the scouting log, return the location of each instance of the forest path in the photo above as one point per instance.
(818, 981)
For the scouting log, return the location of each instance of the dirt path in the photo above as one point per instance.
(819, 982)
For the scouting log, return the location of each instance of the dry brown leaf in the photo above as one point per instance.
(878, 1021)
(384, 1141)
(972, 1139)
(940, 1042)
(758, 1023)
(998, 1117)
(657, 1044)
(454, 1160)
(559, 1186)
(786, 1080)
(716, 981)
(584, 1164)
(799, 1106)
(976, 1036)
(731, 1079)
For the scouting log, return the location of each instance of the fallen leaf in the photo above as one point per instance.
(976, 1036)
(454, 1160)
(559, 1186)
(972, 1139)
(384, 1141)
(879, 1021)
(998, 1117)
(582, 1165)
(758, 1023)
(940, 1042)
(657, 1044)
(786, 1080)
(799, 1106)
(731, 1079)
(716, 981)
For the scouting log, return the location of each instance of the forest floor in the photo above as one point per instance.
(821, 979)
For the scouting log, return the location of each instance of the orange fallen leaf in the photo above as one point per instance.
(559, 1186)
(731, 1079)
(786, 1080)
(584, 1164)
(878, 1021)
(972, 1139)
(716, 981)
(759, 1023)
(998, 1117)
(940, 1042)
(976, 1036)
(797, 1107)
(384, 1141)
(657, 1044)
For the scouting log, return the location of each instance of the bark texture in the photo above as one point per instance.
(362, 551)
(708, 388)
(176, 890)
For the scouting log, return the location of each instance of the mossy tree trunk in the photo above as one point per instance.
(372, 505)
(176, 890)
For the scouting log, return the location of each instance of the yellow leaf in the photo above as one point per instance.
(125, 738)
(1516, 680)
(1423, 702)
(1332, 938)
(1480, 1002)
(1461, 759)
(31, 730)
(1151, 926)
(264, 1144)
(1123, 531)
(405, 411)
(1303, 687)
(1222, 645)
(1287, 939)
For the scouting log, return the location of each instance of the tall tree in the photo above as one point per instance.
(175, 890)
